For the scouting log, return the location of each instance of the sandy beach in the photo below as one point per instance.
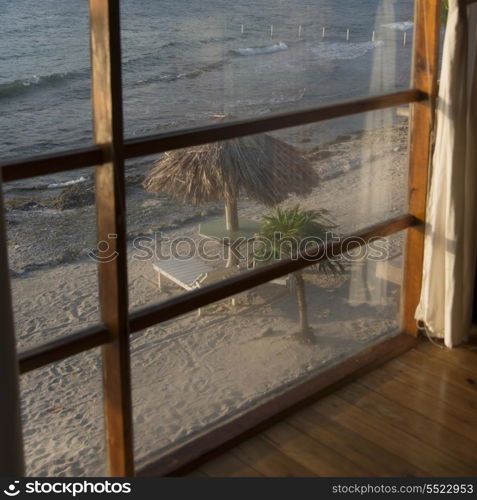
(190, 373)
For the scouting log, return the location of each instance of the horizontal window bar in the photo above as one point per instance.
(143, 146)
(201, 297)
(239, 128)
(62, 348)
(190, 301)
(52, 163)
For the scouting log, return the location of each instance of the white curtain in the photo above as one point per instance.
(445, 307)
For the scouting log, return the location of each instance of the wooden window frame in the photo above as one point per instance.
(117, 323)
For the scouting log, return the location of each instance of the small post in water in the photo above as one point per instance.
(299, 32)
(347, 34)
(323, 35)
(271, 31)
(372, 38)
(241, 29)
(404, 38)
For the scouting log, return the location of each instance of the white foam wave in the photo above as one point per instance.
(277, 99)
(253, 51)
(404, 26)
(343, 51)
(67, 183)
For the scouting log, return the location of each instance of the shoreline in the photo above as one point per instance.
(43, 236)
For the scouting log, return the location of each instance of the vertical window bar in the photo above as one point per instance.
(111, 220)
(11, 450)
(424, 78)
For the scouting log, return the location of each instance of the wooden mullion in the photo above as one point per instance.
(97, 335)
(51, 163)
(177, 139)
(111, 222)
(146, 145)
(201, 297)
(11, 453)
(424, 78)
(62, 347)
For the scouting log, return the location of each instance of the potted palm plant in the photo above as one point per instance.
(285, 232)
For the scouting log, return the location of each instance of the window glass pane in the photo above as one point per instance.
(62, 410)
(186, 62)
(176, 210)
(44, 77)
(194, 373)
(51, 235)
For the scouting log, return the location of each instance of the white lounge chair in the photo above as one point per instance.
(190, 273)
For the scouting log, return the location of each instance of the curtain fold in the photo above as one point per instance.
(445, 307)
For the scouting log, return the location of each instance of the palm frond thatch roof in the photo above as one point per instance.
(266, 169)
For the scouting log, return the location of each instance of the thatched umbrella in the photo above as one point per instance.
(266, 169)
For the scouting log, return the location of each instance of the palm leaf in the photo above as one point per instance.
(286, 232)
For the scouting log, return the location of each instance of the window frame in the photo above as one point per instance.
(117, 323)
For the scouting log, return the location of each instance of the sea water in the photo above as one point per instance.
(186, 61)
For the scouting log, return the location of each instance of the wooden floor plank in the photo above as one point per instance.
(446, 372)
(426, 380)
(268, 460)
(431, 460)
(323, 461)
(460, 357)
(228, 466)
(441, 410)
(420, 426)
(455, 394)
(353, 445)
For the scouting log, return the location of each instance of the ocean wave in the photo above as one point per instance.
(56, 185)
(190, 74)
(254, 51)
(152, 57)
(18, 87)
(343, 51)
(282, 98)
(219, 39)
(404, 26)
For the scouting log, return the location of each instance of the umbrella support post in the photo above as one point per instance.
(232, 224)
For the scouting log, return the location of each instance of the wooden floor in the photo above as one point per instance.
(415, 416)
